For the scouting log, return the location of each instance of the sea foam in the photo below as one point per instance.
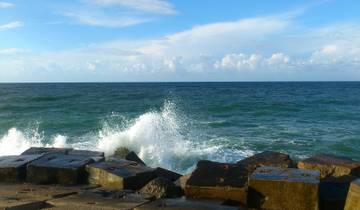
(163, 137)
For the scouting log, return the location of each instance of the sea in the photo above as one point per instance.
(173, 125)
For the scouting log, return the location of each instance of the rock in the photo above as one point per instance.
(333, 195)
(183, 204)
(100, 199)
(88, 153)
(170, 175)
(353, 197)
(121, 152)
(162, 188)
(217, 181)
(331, 165)
(286, 189)
(43, 150)
(58, 168)
(31, 197)
(132, 156)
(181, 182)
(120, 174)
(267, 158)
(13, 168)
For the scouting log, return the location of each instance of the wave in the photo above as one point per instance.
(162, 137)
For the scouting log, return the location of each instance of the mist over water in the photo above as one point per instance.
(173, 125)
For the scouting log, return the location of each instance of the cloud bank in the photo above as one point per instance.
(259, 48)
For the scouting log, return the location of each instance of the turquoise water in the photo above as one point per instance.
(175, 124)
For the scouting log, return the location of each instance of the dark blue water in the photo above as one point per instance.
(176, 124)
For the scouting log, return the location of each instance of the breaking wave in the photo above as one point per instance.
(162, 137)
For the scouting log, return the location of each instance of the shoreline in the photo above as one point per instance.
(85, 179)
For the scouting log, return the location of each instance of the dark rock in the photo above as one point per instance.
(58, 168)
(218, 181)
(101, 199)
(132, 156)
(267, 158)
(170, 175)
(88, 153)
(331, 165)
(181, 182)
(183, 204)
(43, 150)
(285, 189)
(13, 168)
(162, 188)
(121, 174)
(353, 197)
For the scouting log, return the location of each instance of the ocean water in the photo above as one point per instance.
(174, 125)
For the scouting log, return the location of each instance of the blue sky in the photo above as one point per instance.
(179, 40)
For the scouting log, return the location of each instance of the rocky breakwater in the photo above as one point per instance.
(64, 178)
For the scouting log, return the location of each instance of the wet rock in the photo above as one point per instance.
(43, 150)
(331, 165)
(181, 182)
(285, 189)
(217, 181)
(13, 168)
(121, 174)
(125, 153)
(183, 204)
(353, 197)
(100, 199)
(58, 168)
(267, 158)
(162, 188)
(170, 175)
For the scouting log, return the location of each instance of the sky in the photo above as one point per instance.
(179, 40)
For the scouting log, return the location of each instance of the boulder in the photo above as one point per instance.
(331, 165)
(170, 175)
(283, 189)
(46, 150)
(184, 204)
(121, 174)
(58, 168)
(13, 168)
(217, 181)
(353, 197)
(100, 199)
(162, 188)
(267, 158)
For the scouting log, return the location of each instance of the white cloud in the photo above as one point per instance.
(12, 25)
(118, 13)
(260, 48)
(4, 5)
(151, 6)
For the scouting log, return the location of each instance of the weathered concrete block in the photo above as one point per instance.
(283, 189)
(58, 168)
(183, 204)
(86, 153)
(132, 156)
(267, 158)
(170, 175)
(353, 197)
(119, 173)
(101, 199)
(162, 188)
(331, 165)
(29, 196)
(217, 181)
(13, 168)
(46, 150)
